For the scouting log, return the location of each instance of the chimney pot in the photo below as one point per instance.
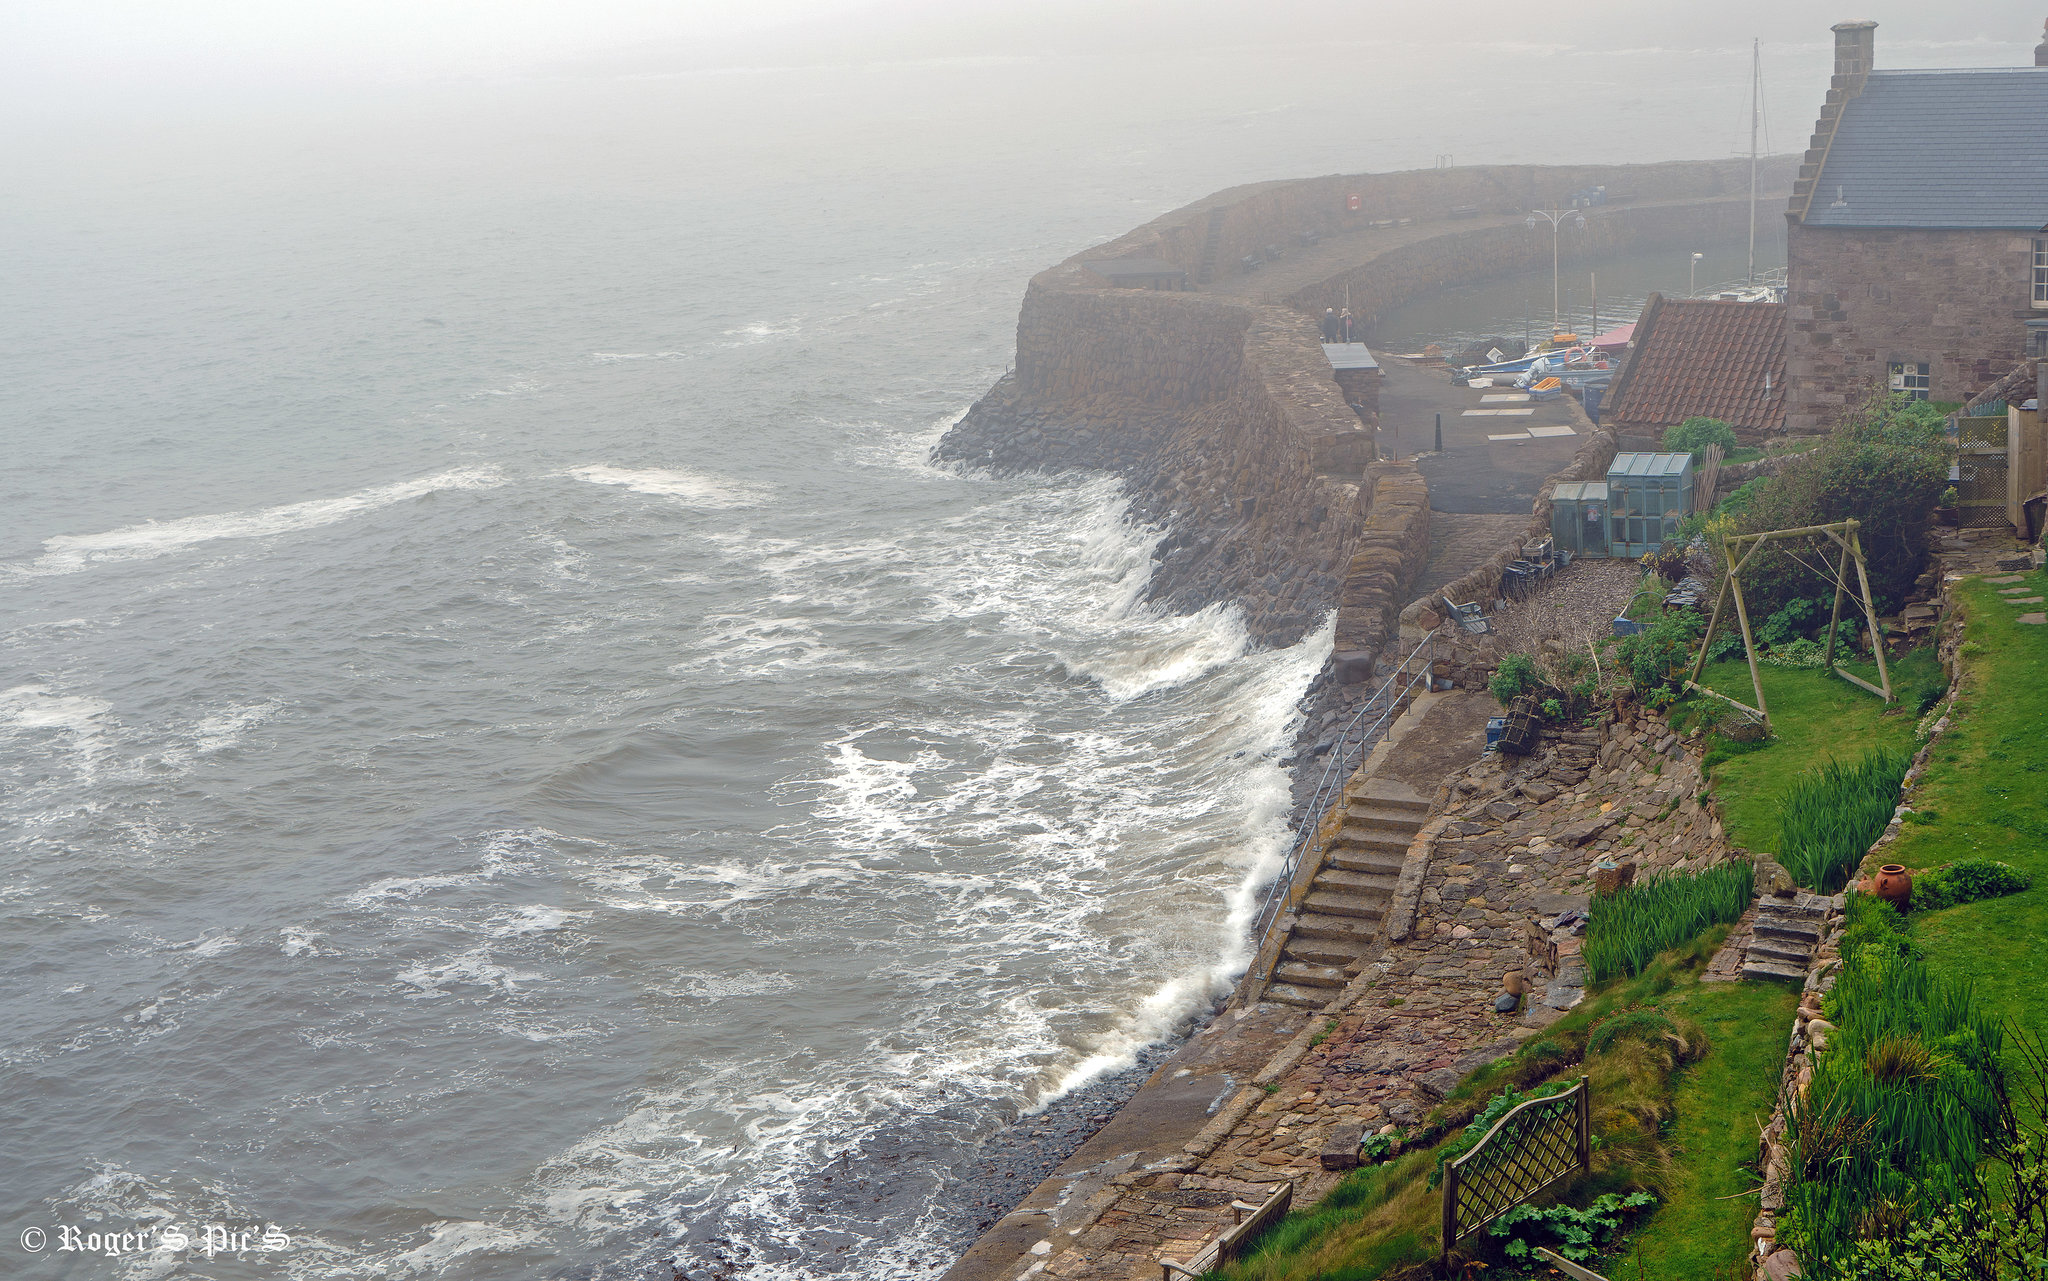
(1855, 47)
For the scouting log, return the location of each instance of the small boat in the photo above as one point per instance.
(1548, 389)
(1575, 367)
(1518, 365)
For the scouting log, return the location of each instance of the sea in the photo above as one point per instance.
(512, 758)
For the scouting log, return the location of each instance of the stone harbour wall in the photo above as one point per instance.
(1248, 219)
(1226, 422)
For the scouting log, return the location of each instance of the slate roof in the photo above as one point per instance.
(1959, 148)
(1702, 357)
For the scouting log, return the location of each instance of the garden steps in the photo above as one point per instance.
(1784, 936)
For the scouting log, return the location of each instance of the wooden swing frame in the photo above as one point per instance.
(1844, 535)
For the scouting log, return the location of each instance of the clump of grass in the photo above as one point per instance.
(1906, 1103)
(1831, 815)
(1629, 928)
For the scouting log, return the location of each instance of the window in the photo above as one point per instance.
(1910, 378)
(2041, 273)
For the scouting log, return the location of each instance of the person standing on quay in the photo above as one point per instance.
(1344, 324)
(1329, 324)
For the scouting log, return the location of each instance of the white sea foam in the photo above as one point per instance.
(696, 488)
(70, 553)
(294, 940)
(532, 919)
(224, 729)
(762, 331)
(474, 968)
(617, 357)
(36, 707)
(452, 1240)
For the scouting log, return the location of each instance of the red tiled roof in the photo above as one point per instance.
(1701, 357)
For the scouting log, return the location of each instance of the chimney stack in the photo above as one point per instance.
(1855, 47)
(2041, 50)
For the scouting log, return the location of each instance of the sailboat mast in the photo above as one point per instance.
(1756, 80)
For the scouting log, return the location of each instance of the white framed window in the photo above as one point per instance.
(1910, 378)
(2041, 272)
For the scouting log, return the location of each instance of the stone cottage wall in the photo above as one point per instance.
(1861, 298)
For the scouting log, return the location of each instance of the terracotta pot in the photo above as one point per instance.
(1895, 885)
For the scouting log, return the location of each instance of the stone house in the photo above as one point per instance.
(1918, 232)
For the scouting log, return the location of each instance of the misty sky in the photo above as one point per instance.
(57, 55)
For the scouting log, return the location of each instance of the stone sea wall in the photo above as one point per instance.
(1224, 419)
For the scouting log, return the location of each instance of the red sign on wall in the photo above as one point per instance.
(1353, 202)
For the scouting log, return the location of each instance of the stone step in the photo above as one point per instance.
(1348, 929)
(1311, 975)
(1389, 794)
(1787, 931)
(1380, 818)
(1376, 861)
(1773, 952)
(1310, 951)
(1391, 841)
(1313, 998)
(1759, 970)
(1805, 904)
(1360, 884)
(1324, 903)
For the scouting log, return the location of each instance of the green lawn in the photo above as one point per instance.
(1815, 716)
(1723, 1103)
(1985, 795)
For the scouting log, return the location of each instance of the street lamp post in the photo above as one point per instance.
(1556, 218)
(1692, 277)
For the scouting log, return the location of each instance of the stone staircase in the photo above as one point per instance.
(1785, 935)
(1341, 923)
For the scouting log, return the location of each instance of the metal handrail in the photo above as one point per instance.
(1335, 774)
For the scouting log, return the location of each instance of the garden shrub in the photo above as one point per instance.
(1966, 881)
(1515, 677)
(1885, 465)
(1694, 435)
(1657, 656)
(1804, 654)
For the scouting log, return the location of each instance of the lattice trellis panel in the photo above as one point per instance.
(1532, 1149)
